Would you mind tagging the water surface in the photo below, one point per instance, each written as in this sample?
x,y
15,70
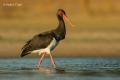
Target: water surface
x,y
83,68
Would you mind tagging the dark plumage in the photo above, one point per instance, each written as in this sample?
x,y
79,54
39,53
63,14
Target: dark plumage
x,y
42,40
37,42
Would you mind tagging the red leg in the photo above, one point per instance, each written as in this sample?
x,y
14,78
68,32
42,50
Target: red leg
x,y
52,61
40,60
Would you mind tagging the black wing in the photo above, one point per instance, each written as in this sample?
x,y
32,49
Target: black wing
x,y
39,41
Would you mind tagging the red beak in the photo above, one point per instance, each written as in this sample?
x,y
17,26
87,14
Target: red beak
x,y
67,19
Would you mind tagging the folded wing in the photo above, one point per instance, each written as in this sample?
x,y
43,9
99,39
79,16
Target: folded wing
x,y
39,41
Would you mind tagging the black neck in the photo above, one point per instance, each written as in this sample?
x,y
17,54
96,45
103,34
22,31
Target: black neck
x,y
61,30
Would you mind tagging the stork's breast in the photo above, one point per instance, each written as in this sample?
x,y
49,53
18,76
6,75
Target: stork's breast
x,y
52,44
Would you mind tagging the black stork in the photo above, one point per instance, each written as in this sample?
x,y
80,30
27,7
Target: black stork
x,y
46,42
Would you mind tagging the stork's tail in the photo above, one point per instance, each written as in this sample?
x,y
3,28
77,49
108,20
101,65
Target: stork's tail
x,y
24,53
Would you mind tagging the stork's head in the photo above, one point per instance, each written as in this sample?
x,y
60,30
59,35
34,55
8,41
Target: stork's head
x,y
61,14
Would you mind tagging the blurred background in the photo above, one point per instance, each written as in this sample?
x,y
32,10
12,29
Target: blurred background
x,y
97,30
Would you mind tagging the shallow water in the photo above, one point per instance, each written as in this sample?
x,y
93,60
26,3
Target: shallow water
x,y
83,68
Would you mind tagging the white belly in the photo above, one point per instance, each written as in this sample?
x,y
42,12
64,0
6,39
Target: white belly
x,y
48,49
